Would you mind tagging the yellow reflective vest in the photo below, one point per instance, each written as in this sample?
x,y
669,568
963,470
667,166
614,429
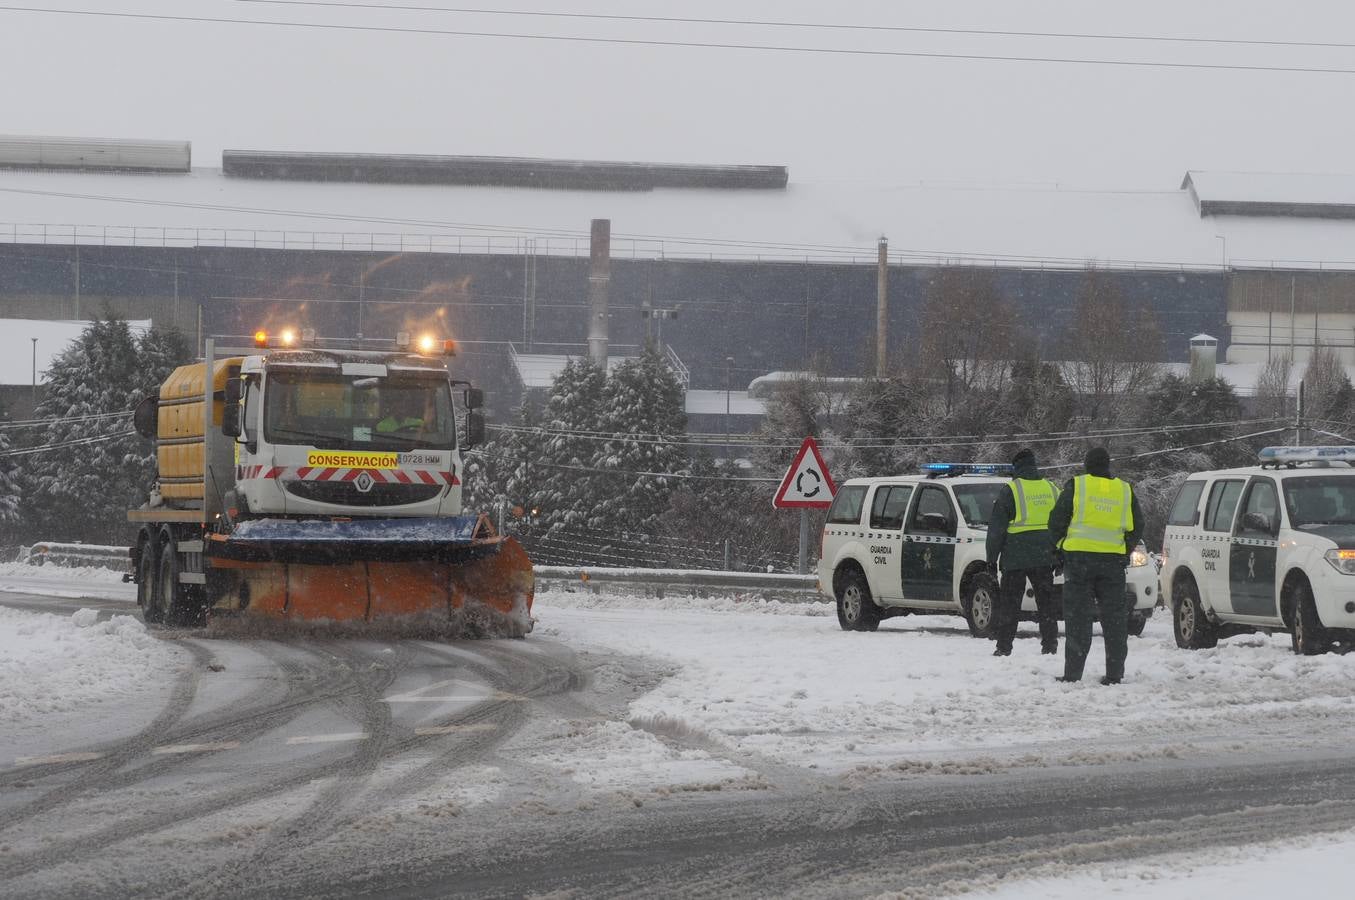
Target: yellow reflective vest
x,y
1102,513
1033,501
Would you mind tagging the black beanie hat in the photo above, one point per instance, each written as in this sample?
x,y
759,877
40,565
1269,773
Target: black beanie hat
x,y
1098,461
1024,456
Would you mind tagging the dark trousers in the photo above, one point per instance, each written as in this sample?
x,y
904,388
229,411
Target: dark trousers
x,y
1008,611
1094,578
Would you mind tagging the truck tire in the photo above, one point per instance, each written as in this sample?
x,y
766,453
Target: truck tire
x,y
179,603
1307,637
979,604
856,609
1192,629
148,582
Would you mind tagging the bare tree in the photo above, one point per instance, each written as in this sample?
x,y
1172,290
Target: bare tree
x,y
1272,387
1326,386
968,334
1112,348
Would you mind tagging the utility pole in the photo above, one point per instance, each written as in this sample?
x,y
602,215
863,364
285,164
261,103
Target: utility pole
x,y
729,364
882,308
35,372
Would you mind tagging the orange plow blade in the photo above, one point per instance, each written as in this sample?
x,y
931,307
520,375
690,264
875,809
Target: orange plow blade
x,y
489,591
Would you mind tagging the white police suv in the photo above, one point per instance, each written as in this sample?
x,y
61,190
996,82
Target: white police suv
x,y
1265,547
916,543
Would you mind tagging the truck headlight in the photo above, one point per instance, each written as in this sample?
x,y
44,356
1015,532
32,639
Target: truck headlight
x,y
1140,558
1342,561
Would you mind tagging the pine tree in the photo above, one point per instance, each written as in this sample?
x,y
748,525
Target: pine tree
x,y
9,480
567,500
644,412
92,467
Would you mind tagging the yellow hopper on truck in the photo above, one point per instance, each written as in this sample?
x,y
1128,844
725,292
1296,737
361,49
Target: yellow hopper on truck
x,y
296,482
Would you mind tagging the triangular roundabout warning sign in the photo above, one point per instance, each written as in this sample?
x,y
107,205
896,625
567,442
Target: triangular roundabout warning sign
x,y
807,484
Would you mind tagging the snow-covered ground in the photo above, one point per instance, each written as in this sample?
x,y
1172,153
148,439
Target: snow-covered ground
x,y
746,686
1315,867
52,666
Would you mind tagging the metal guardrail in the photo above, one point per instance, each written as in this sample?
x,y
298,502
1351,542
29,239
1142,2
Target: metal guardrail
x,y
60,554
680,582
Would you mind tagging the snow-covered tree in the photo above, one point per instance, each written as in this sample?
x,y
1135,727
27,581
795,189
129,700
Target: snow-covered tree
x,y
645,417
90,466
9,479
573,423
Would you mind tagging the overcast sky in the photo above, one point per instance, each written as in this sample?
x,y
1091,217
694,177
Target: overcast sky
x,y
883,119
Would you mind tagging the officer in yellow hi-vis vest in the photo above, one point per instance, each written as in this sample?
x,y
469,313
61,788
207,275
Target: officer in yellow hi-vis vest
x,y
1096,522
1018,533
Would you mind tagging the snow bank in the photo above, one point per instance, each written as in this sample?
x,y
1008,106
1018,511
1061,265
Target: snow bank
x,y
65,581
920,695
54,664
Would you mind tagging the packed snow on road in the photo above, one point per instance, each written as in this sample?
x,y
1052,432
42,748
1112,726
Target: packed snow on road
x,y
740,678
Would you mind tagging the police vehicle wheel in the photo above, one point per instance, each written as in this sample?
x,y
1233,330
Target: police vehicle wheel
x,y
1137,622
856,609
1193,629
980,605
147,578
1308,636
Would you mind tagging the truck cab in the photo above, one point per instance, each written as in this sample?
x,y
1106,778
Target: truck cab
x,y
331,432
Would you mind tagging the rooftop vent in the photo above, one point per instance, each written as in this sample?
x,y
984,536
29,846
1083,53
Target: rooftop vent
x,y
497,171
94,154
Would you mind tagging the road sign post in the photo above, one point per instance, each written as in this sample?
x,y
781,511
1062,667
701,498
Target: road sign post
x,y
807,485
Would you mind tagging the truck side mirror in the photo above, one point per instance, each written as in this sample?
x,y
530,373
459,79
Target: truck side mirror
x,y
146,417
475,398
475,429
230,413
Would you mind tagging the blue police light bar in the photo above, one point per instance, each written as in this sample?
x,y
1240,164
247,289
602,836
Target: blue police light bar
x,y
1288,456
940,469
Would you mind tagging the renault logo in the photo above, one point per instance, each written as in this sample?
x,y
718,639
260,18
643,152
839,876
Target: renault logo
x,y
364,482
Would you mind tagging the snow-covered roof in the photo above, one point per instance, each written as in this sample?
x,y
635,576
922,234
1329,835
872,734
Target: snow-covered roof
x,y
1271,194
1038,226
539,370
18,351
1242,376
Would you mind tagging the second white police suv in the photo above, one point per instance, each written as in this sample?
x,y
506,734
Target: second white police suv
x,y
1268,547
915,543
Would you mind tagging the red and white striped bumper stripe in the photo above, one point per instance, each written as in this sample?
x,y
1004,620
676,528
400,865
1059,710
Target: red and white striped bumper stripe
x,y
315,473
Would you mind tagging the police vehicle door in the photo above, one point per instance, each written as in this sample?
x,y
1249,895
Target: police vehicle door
x,y
929,547
1216,540
885,539
1251,564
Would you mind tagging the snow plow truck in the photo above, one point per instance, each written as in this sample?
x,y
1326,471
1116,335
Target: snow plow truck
x,y
300,483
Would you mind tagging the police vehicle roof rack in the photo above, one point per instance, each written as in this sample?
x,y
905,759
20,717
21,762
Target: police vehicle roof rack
x,y
1318,457
950,470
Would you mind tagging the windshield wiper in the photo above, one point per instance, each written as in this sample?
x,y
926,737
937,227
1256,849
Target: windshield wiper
x,y
315,437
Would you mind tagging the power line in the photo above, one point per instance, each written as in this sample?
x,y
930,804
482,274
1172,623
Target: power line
x,y
550,465
828,26
704,45
1148,453
64,444
40,423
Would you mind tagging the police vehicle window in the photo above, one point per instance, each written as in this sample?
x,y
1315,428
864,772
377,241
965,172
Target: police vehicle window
x,y
1261,499
1320,500
932,502
976,500
846,508
1218,515
1187,505
888,508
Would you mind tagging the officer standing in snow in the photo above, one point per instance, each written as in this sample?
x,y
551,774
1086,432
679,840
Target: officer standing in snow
x,y
1097,523
1018,533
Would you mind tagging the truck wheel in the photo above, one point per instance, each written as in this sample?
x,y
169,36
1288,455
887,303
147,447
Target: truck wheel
x,y
1308,637
148,584
179,604
1193,630
856,609
1137,621
979,604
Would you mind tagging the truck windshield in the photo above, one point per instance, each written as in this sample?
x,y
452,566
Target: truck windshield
x,y
328,410
976,501
1320,500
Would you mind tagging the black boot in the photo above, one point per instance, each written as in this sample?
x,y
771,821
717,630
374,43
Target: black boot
x,y
1106,679
1003,651
1049,648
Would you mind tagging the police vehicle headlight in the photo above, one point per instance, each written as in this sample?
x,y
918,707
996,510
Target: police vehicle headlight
x,y
1342,561
1141,558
